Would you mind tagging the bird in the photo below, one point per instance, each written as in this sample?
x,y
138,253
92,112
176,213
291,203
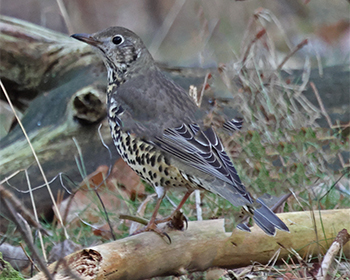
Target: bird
x,y
158,130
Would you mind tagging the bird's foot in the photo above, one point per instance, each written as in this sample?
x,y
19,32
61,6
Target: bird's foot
x,y
176,221
153,226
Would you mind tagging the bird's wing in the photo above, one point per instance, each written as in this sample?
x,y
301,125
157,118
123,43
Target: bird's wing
x,y
203,151
232,125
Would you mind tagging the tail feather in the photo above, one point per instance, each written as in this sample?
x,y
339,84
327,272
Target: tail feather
x,y
267,220
243,227
262,214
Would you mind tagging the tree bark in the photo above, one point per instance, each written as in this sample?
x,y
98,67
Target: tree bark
x,y
204,245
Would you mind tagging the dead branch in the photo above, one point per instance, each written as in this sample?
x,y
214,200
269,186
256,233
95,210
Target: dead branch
x,y
341,239
202,246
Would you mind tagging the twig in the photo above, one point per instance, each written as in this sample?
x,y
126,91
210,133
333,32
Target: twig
x,y
25,237
139,220
110,156
29,258
252,20
257,37
280,201
341,239
199,101
318,97
81,167
106,213
298,47
35,214
20,208
11,176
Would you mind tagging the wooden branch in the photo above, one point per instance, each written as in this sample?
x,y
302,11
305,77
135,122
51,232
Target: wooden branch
x,y
203,245
339,242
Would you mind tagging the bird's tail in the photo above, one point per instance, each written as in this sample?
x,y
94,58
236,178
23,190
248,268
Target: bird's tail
x,y
265,219
257,208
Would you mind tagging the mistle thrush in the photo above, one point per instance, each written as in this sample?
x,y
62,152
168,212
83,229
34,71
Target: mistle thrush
x,y
158,130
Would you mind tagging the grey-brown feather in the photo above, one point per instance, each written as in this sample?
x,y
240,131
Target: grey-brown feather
x,y
154,104
157,128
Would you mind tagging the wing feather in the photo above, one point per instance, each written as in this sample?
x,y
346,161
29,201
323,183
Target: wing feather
x,y
204,151
233,125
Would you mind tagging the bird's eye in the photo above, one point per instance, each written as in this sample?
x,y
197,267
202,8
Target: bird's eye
x,y
118,39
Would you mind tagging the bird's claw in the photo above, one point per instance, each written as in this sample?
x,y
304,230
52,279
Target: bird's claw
x,y
153,227
177,220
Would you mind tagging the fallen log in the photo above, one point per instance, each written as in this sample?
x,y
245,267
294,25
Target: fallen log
x,y
202,246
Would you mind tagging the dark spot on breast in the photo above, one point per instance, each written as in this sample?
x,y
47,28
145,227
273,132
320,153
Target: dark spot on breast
x,y
160,168
154,175
127,140
166,172
142,147
123,146
159,159
150,174
153,160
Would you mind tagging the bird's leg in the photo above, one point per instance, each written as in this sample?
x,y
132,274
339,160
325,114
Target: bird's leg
x,y
184,199
152,224
153,221
172,215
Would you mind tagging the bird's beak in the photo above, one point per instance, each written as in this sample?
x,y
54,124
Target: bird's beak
x,y
86,38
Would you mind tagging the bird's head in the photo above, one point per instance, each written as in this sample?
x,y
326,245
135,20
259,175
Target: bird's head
x,y
122,51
